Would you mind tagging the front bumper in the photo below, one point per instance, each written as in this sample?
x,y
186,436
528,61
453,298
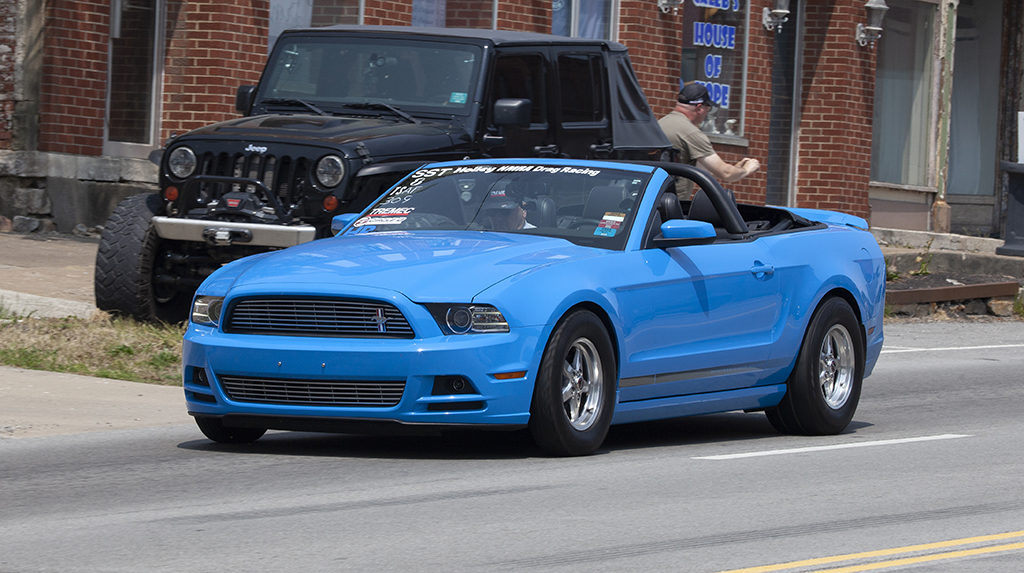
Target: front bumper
x,y
223,233
489,402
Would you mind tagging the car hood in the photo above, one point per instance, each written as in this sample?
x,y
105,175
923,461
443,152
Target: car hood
x,y
336,130
423,266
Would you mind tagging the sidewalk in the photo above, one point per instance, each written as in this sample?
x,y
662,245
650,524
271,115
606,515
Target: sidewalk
x,y
48,275
34,403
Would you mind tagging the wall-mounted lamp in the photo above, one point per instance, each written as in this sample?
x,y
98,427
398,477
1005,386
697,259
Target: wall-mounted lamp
x,y
873,30
773,19
669,6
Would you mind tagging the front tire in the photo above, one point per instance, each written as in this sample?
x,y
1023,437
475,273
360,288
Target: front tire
x,y
129,253
823,390
574,396
215,429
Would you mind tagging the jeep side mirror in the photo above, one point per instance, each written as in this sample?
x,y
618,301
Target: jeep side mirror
x,y
243,99
508,112
512,112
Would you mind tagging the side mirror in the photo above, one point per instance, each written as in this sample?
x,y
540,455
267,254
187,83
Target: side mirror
x,y
339,222
682,232
243,99
512,112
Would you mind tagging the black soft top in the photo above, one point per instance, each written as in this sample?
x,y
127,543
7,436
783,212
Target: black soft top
x,y
633,121
496,37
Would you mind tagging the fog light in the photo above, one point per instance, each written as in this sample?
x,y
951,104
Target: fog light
x,y
199,377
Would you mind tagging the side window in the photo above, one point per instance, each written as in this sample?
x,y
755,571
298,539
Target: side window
x,y
522,77
581,84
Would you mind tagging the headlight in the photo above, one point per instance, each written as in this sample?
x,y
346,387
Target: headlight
x,y
182,162
330,170
468,318
206,310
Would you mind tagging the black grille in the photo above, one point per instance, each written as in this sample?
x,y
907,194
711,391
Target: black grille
x,y
318,317
285,176
362,393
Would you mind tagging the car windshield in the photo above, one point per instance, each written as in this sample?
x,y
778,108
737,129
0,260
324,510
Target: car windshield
x,y
589,205
332,73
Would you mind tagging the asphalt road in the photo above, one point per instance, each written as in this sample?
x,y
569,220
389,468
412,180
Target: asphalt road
x,y
934,455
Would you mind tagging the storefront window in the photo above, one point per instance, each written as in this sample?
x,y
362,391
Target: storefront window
x,y
583,18
904,85
132,44
714,42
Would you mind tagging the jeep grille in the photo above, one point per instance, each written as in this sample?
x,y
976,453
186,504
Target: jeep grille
x,y
285,176
317,317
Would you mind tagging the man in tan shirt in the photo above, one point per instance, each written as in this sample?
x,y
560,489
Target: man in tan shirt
x,y
682,126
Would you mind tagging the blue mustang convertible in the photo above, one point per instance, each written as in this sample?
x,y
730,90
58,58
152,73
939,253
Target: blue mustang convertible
x,y
558,295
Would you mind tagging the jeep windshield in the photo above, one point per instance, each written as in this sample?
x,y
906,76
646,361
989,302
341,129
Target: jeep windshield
x,y
369,76
587,204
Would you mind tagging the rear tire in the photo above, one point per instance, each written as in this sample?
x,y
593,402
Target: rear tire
x,y
128,256
214,429
823,390
574,396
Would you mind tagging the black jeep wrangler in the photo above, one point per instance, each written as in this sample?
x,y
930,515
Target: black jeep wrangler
x,y
341,114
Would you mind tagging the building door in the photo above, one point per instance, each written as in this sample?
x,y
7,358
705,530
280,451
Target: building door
x,y
785,110
134,78
974,118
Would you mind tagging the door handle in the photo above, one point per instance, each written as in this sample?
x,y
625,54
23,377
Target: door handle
x,y
760,269
546,150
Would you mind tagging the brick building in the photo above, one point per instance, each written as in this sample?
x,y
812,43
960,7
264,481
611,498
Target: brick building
x,y
892,132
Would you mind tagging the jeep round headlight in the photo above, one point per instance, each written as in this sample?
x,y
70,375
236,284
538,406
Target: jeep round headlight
x,y
182,162
330,170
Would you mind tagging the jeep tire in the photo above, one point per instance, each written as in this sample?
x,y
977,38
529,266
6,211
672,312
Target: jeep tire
x,y
129,254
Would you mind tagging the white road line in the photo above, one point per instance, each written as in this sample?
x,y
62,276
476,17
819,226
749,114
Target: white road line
x,y
901,349
833,447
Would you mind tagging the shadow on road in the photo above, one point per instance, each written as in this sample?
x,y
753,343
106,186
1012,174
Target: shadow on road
x,y
482,445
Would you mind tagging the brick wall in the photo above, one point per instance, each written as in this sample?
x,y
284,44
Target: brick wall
x,y
331,12
8,14
525,15
74,82
468,14
388,13
654,43
838,99
212,48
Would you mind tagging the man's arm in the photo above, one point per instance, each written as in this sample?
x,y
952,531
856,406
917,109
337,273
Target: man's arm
x,y
723,171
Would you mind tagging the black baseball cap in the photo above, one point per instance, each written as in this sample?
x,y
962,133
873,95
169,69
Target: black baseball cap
x,y
694,94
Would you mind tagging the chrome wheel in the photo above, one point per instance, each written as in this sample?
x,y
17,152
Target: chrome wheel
x,y
582,384
836,366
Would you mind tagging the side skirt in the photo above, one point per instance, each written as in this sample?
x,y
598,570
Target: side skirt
x,y
755,398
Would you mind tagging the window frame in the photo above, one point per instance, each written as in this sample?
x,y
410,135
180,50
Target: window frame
x,y
123,148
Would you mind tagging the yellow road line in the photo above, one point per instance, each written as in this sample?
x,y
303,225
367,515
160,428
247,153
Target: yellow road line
x,y
886,552
925,558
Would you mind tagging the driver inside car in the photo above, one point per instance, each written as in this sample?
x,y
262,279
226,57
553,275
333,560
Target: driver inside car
x,y
505,210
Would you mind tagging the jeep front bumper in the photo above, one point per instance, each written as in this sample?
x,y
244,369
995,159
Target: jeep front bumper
x,y
223,233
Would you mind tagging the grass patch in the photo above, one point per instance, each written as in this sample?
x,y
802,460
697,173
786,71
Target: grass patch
x,y
104,346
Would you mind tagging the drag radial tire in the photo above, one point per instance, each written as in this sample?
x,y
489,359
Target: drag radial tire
x,y
128,254
824,388
214,429
574,396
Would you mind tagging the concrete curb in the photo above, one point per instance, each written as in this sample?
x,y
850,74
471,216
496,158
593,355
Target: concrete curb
x,y
23,304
